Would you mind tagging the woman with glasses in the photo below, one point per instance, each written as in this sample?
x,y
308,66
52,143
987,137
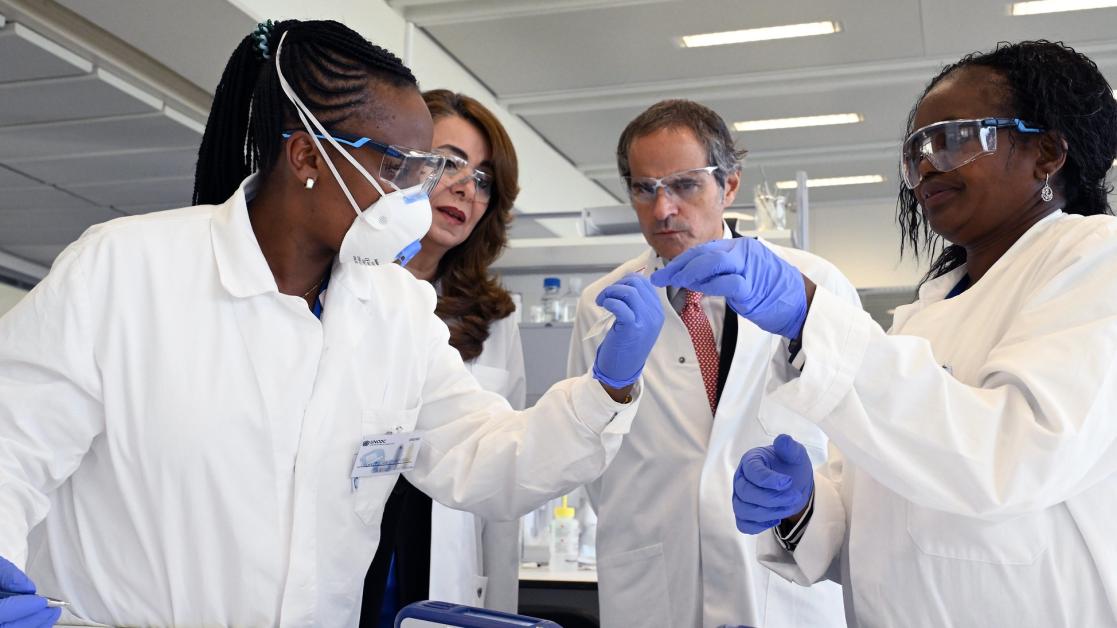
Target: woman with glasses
x,y
438,553
977,479
203,410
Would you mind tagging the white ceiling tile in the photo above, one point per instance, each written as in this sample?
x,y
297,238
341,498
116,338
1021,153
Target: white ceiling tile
x,y
170,32
128,166
74,98
43,254
175,191
636,44
40,196
12,179
38,57
94,136
48,226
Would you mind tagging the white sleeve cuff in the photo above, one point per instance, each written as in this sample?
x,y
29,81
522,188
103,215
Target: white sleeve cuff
x,y
597,410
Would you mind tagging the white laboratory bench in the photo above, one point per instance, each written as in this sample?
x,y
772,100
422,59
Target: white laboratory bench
x,y
544,574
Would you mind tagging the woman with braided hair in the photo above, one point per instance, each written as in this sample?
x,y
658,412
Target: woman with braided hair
x,y
430,551
203,410
976,483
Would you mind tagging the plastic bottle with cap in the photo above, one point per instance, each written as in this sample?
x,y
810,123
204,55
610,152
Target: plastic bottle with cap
x,y
570,299
564,539
552,300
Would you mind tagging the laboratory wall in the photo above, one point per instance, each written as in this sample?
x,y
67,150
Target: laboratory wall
x,y
9,296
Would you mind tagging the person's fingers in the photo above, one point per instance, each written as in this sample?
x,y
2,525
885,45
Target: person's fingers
x,y
789,450
732,285
702,268
750,493
663,277
13,580
20,607
753,527
42,619
753,512
623,297
756,470
646,290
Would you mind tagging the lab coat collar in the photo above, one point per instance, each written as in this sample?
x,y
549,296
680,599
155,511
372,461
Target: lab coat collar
x,y
240,263
937,289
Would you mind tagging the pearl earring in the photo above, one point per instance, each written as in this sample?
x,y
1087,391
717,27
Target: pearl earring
x,y
1046,193
310,183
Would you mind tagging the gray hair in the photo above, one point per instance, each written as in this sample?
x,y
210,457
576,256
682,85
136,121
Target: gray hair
x,y
706,125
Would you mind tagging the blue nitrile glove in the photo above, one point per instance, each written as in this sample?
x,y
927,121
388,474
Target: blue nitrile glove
x,y
772,483
639,317
755,282
22,611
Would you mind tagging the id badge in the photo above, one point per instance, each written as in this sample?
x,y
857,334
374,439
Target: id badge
x,y
387,454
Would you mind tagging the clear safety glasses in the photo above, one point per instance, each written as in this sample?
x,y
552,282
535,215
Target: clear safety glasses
x,y
952,144
459,172
400,167
684,186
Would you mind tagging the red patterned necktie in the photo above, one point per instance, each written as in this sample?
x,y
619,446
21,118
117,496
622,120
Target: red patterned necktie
x,y
704,346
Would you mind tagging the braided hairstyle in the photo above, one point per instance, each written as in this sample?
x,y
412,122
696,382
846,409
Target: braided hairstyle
x,y
328,65
1057,88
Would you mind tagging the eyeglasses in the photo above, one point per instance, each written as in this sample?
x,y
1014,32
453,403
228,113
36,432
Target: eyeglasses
x,y
686,185
458,172
952,144
401,167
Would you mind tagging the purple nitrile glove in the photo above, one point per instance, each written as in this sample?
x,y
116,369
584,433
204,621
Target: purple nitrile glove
x,y
772,483
756,283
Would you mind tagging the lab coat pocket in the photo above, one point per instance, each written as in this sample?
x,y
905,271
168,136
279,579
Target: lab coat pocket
x,y
370,493
1016,541
633,587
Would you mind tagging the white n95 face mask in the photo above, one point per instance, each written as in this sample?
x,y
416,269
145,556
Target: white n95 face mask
x,y
390,229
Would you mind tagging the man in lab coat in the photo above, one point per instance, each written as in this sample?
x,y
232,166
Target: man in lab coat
x,y
668,551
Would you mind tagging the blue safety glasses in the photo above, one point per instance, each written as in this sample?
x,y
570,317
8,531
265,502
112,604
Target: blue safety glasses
x,y
401,167
952,144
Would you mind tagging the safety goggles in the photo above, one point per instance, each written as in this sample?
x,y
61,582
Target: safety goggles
x,y
400,167
686,185
952,144
459,172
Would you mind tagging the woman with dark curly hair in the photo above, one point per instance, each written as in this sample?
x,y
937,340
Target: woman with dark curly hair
x,y
440,553
977,483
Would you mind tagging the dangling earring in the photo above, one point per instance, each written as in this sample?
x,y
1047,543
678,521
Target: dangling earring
x,y
1046,193
310,183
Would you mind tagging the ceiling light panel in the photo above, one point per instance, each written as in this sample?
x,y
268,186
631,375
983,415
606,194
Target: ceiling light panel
x,y
760,34
832,182
1038,7
796,123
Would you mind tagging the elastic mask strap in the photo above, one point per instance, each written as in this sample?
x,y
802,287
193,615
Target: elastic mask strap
x,y
304,113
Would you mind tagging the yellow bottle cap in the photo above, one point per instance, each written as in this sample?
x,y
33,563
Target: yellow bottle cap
x,y
564,511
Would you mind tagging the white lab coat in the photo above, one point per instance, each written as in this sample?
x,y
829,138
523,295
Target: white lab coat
x,y
177,436
475,561
668,550
979,480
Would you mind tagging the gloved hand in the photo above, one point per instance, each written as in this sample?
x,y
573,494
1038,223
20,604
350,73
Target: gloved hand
x,y
755,282
639,317
22,611
772,483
